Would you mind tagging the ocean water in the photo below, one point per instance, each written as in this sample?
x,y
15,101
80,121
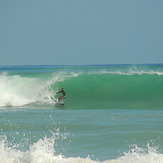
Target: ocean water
x,y
112,114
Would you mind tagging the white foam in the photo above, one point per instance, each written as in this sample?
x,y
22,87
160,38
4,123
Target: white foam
x,y
18,91
140,155
129,72
40,152
43,151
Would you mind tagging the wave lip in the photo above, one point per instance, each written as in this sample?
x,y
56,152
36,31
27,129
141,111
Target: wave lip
x,y
19,91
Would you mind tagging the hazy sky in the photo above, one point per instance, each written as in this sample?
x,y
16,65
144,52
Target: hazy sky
x,y
71,32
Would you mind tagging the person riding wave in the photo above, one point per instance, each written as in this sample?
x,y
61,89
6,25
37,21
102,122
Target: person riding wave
x,y
63,95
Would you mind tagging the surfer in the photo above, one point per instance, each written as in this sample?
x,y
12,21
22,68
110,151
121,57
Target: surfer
x,y
63,95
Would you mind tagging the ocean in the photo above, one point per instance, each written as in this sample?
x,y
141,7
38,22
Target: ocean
x,y
111,114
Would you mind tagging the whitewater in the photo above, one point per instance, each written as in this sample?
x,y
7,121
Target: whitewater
x,y
112,114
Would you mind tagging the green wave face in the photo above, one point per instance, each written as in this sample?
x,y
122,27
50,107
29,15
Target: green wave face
x,y
110,91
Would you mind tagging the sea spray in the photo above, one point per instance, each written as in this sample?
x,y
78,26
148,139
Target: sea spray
x,y
43,151
19,91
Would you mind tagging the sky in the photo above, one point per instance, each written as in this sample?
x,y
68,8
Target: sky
x,y
78,32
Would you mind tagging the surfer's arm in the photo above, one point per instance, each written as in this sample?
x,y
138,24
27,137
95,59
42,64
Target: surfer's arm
x,y
58,92
54,93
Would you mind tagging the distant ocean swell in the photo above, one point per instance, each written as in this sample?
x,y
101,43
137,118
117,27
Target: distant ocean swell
x,y
86,89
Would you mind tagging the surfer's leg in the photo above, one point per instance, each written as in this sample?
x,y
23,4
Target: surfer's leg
x,y
61,98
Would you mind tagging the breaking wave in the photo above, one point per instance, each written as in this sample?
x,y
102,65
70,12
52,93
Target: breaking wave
x,y
92,87
43,151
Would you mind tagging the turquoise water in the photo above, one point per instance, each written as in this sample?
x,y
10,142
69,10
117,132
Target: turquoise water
x,y
112,113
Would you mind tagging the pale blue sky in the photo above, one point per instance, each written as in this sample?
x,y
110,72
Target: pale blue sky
x,y
72,32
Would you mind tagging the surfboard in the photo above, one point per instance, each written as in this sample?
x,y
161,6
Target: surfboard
x,y
60,103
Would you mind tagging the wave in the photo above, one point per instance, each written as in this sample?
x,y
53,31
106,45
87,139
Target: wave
x,y
19,91
43,151
30,90
116,90
86,88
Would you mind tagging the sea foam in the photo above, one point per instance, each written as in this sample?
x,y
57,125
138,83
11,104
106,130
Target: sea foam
x,y
43,151
18,91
